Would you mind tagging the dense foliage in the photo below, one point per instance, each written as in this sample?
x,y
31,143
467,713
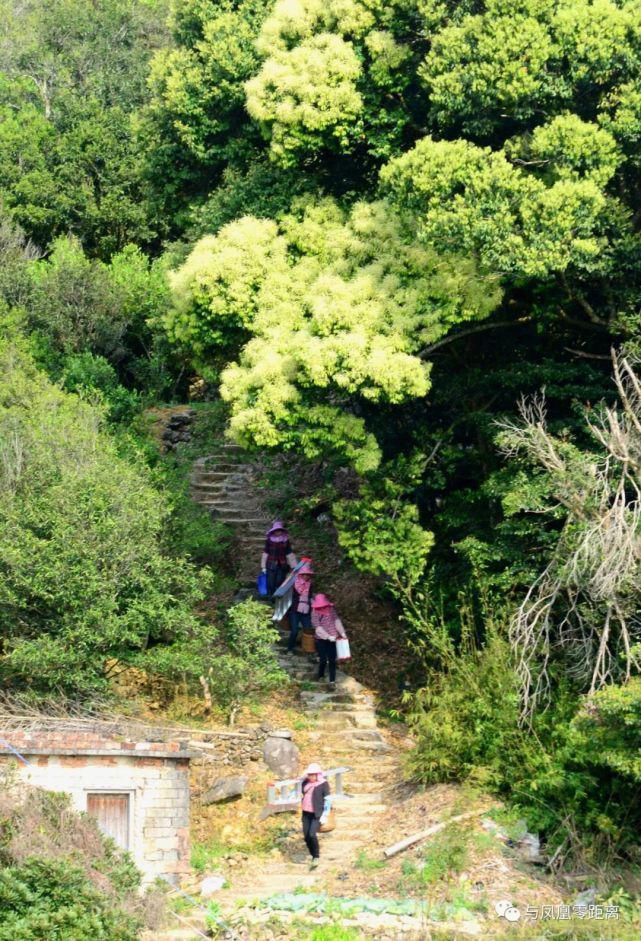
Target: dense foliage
x,y
71,156
85,573
391,221
60,878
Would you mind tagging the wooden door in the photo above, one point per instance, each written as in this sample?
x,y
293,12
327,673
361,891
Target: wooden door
x,y
112,814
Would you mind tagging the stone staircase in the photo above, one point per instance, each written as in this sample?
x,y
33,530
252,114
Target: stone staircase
x,y
226,486
344,732
343,727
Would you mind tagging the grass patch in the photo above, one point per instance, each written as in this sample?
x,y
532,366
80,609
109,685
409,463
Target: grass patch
x,y
205,855
181,904
211,853
335,933
302,724
446,855
366,863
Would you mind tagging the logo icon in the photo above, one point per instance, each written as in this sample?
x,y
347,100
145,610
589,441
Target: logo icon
x,y
505,909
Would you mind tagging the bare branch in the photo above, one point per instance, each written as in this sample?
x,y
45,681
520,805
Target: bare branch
x,y
582,606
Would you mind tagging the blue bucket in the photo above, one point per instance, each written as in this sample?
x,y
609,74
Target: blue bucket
x,y
261,585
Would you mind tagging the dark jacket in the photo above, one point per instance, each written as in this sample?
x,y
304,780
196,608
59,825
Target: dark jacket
x,y
318,797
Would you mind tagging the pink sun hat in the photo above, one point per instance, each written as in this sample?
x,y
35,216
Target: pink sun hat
x,y
314,768
321,601
276,525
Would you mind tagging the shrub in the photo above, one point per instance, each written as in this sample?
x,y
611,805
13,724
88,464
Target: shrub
x,y
42,899
246,666
85,576
61,878
466,718
94,375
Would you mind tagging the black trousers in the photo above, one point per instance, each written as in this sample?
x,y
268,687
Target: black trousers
x,y
276,575
327,653
296,621
310,833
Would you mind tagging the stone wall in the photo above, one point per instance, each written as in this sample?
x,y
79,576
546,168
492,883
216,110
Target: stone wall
x,y
155,775
233,749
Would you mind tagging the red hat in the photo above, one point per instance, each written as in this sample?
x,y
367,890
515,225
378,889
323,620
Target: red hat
x,y
306,569
321,601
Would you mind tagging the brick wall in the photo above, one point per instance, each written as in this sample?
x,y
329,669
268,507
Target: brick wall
x,y
155,775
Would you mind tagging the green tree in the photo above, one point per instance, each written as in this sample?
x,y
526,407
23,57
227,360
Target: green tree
x,y
81,308
196,121
70,156
245,665
85,576
336,306
336,78
60,876
41,899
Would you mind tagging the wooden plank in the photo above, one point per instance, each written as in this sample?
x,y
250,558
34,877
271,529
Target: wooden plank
x,y
423,834
112,815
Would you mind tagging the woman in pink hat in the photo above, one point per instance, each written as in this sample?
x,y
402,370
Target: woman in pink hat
x,y
277,557
300,613
327,629
316,802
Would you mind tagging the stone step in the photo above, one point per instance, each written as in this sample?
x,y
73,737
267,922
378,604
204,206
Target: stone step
x,y
212,474
356,809
358,829
362,744
361,777
350,719
339,850
363,786
335,723
362,799
239,510
357,709
221,487
312,699
226,518
363,735
224,493
225,467
354,710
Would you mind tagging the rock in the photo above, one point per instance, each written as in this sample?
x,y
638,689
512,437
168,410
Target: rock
x,y
587,897
529,847
210,885
180,419
281,756
265,727
225,789
280,733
